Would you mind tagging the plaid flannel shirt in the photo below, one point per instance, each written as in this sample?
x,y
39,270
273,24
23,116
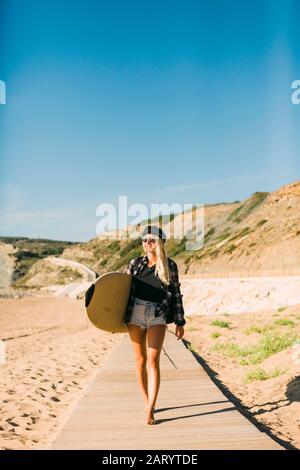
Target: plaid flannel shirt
x,y
171,305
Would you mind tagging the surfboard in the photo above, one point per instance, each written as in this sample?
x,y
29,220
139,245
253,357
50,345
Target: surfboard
x,y
106,301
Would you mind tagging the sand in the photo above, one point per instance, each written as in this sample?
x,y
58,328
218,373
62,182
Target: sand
x,y
239,294
274,402
52,353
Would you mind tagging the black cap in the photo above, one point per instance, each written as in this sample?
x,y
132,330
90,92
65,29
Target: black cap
x,y
154,231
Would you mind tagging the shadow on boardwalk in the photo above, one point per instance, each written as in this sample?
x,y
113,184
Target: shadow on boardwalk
x,y
191,411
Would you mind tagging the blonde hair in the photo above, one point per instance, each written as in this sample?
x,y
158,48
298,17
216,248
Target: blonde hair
x,y
162,266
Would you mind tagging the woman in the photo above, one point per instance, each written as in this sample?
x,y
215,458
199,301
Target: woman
x,y
154,302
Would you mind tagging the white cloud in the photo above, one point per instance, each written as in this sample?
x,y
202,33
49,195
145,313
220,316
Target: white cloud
x,y
200,185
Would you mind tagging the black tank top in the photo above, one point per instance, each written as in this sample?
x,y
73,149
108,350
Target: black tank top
x,y
148,286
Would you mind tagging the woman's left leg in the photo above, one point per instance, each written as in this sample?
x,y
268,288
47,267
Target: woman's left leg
x,y
155,338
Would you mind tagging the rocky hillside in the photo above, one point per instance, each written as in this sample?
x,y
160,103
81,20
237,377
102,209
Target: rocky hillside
x,y
45,273
262,234
7,262
22,258
258,235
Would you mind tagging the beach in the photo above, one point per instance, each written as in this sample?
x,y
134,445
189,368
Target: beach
x,y
52,353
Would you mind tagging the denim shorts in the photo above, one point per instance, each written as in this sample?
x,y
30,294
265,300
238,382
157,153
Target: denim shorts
x,y
143,314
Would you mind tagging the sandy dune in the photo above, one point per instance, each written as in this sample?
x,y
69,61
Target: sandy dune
x,y
274,400
52,352
239,295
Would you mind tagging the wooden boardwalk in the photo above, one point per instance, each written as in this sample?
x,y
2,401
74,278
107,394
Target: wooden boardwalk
x,y
192,412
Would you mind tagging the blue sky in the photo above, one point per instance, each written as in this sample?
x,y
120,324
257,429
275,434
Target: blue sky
x,y
183,102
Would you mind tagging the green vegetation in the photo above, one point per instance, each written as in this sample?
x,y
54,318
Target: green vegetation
x,y
271,343
220,323
209,234
257,198
230,248
260,374
68,274
201,254
113,247
280,309
232,349
284,322
261,222
188,259
176,248
215,334
119,263
235,212
224,235
130,246
103,262
258,329
131,249
241,233
214,253
245,231
244,209
40,246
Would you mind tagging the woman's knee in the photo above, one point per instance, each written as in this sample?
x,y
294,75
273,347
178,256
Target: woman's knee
x,y
141,360
153,360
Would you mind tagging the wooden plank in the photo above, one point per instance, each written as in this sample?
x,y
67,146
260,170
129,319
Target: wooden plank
x,y
192,413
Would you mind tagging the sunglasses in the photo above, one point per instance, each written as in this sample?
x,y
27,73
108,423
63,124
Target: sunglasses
x,y
149,240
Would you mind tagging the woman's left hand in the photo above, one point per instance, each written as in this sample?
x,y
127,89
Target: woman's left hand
x,y
179,332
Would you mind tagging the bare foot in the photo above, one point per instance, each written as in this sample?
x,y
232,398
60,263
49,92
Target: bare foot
x,y
150,414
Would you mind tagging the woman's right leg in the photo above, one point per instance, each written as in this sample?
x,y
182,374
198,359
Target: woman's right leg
x,y
138,339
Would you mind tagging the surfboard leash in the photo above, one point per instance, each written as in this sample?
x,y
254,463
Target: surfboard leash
x,y
169,358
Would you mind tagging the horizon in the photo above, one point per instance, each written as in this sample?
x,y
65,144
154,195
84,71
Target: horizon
x,y
85,241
